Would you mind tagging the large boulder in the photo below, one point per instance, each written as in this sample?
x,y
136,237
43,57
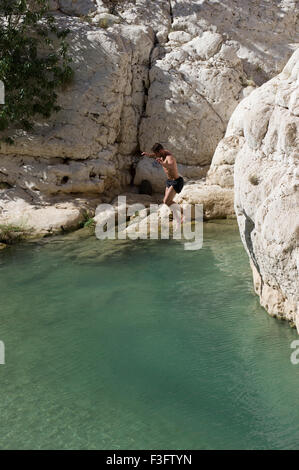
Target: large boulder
x,y
216,54
266,188
77,7
44,216
191,98
149,169
221,171
218,203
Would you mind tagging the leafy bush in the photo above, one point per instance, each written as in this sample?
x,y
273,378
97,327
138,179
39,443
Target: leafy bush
x,y
89,223
10,233
34,62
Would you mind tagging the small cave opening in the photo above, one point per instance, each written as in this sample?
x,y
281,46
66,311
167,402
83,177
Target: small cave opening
x,y
64,180
5,185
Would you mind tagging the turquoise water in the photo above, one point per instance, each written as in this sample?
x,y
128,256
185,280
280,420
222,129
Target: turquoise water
x,y
141,345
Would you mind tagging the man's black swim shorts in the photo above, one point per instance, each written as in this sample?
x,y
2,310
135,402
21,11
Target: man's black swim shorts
x,y
176,184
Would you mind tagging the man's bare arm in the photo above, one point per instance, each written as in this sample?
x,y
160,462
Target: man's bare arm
x,y
146,154
167,163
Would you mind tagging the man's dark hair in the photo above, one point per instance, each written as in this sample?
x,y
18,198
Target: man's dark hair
x,y
157,147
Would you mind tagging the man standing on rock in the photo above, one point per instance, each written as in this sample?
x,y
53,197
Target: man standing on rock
x,y
174,183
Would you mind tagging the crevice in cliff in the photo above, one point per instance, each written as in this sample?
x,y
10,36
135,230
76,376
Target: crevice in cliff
x,y
171,18
146,86
249,227
134,158
170,11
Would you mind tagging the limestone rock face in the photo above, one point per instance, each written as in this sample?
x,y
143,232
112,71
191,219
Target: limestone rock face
x,y
221,171
266,188
190,99
156,14
217,202
169,70
104,94
216,54
77,7
86,147
253,27
58,176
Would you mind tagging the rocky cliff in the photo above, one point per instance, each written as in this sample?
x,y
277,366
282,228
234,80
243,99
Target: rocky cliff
x,y
265,132
171,71
206,78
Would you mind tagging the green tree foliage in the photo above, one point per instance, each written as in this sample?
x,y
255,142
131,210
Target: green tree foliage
x,y
34,62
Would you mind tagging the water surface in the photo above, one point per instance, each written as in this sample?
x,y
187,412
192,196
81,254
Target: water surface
x,y
142,345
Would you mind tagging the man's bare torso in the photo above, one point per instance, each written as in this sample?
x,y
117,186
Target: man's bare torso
x,y
170,165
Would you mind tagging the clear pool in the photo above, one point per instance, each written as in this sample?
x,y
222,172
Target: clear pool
x,y
141,345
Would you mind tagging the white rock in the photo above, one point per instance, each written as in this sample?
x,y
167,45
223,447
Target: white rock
x,y
41,217
105,20
179,37
221,171
102,6
265,33
193,95
98,124
266,190
77,7
136,84
217,202
228,52
124,207
149,169
155,14
204,46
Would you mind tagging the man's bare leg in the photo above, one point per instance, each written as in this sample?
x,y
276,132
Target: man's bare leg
x,y
169,195
168,200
